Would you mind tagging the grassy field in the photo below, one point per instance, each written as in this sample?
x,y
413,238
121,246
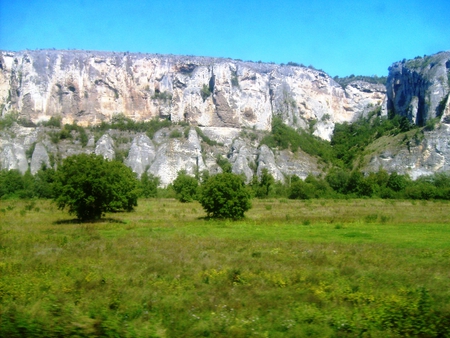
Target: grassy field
x,y
319,268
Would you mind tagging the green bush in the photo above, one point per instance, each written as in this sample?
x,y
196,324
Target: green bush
x,y
205,138
162,96
263,186
175,134
301,190
205,92
225,196
8,120
148,185
284,137
89,185
54,121
223,163
185,187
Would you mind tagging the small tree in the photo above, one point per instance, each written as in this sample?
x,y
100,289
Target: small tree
x,y
262,187
149,185
89,185
185,187
225,196
301,190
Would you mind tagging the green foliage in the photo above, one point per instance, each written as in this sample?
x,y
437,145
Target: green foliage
x,y
205,138
11,183
186,187
262,187
441,106
162,96
79,130
205,92
284,137
43,183
344,81
89,185
223,163
148,185
333,268
124,123
54,121
350,140
8,120
175,134
430,125
225,196
338,178
234,80
419,62
301,190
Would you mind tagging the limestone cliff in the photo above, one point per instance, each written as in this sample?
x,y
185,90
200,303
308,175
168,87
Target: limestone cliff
x,y
90,87
419,88
230,102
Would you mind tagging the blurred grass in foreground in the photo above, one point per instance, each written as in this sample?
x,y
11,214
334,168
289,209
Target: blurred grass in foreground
x,y
320,268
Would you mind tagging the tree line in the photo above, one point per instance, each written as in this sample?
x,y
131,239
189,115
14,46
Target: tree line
x,y
337,183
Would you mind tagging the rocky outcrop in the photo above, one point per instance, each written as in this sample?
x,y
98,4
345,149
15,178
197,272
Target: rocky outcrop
x,y
176,154
90,87
39,158
225,105
105,147
418,89
418,153
141,154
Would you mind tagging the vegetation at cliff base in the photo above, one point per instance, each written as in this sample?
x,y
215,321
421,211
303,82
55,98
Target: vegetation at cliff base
x,y
89,186
185,187
225,196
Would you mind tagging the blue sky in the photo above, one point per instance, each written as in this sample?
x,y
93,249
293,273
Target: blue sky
x,y
341,37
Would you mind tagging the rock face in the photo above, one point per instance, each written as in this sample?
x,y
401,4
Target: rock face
x,y
90,87
419,88
228,101
423,153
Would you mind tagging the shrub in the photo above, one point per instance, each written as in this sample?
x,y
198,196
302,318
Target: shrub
x,y
262,187
185,187
8,120
149,185
175,134
205,92
301,190
54,121
225,196
89,185
223,163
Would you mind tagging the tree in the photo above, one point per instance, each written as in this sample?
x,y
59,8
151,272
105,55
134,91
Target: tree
x,y
301,190
185,187
43,182
89,185
149,185
225,196
263,186
11,182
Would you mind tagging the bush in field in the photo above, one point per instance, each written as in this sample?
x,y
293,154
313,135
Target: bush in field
x,y
300,189
149,185
89,185
225,196
185,187
262,187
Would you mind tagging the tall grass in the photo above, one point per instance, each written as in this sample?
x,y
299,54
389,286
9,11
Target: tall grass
x,y
319,268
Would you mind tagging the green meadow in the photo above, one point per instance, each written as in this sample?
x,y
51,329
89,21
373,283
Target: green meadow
x,y
290,268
